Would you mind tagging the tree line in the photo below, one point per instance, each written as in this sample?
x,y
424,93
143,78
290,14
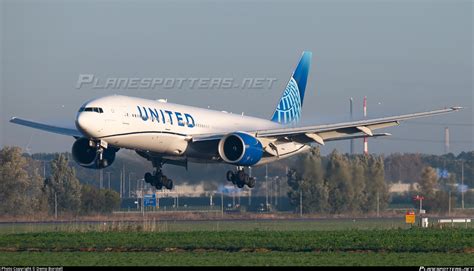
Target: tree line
x,y
343,183
25,192
406,167
338,183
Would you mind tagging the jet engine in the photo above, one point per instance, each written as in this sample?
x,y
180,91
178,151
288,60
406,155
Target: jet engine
x,y
88,156
240,149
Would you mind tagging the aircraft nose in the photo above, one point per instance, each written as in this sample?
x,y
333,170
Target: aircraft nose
x,y
89,124
82,123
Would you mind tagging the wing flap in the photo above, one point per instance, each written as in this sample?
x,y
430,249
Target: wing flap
x,y
358,136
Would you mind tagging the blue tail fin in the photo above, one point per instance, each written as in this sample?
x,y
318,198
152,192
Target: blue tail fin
x,y
291,102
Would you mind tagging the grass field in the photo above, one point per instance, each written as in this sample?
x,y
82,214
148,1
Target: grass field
x,y
219,225
233,259
246,247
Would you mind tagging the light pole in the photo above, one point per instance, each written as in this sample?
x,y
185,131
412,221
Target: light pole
x,y
129,187
222,203
143,199
378,204
137,190
301,202
421,204
108,175
420,198
101,179
44,169
177,199
351,101
462,184
136,187
266,186
233,198
449,204
55,205
249,189
121,181
271,191
277,190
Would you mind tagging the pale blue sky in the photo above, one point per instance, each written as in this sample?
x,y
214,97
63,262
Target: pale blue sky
x,y
406,56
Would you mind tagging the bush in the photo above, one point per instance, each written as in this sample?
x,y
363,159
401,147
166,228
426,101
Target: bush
x,y
95,200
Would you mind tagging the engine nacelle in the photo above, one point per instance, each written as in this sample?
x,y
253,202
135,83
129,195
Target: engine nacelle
x,y
240,149
87,156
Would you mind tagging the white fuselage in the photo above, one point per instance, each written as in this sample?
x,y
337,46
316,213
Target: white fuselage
x,y
158,126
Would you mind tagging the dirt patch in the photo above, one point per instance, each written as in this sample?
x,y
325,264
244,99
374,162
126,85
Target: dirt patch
x,y
87,249
174,249
469,250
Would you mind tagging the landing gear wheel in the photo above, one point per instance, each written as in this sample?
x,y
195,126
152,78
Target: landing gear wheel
x,y
241,176
158,180
169,184
148,177
251,182
230,176
164,180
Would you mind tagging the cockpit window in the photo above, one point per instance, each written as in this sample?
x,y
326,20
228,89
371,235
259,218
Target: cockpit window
x,y
91,109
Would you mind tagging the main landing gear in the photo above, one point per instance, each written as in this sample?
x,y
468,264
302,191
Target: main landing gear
x,y
157,179
240,178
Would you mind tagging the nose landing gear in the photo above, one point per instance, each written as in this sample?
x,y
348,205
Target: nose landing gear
x,y
100,147
240,178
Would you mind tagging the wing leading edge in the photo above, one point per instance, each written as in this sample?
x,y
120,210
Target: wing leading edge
x,y
47,127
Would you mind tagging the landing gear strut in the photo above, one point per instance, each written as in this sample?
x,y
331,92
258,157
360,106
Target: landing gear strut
x,y
100,148
157,179
240,178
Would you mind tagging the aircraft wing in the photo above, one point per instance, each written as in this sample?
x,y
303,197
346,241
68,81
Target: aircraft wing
x,y
331,132
47,127
320,133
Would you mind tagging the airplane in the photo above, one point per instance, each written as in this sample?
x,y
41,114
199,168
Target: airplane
x,y
167,133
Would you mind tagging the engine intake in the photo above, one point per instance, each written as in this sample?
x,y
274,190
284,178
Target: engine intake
x,y
240,149
87,156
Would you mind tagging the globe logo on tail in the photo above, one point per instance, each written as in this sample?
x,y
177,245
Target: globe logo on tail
x,y
289,108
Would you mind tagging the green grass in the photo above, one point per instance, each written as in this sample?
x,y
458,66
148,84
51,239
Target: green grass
x,y
232,259
174,226
325,242
219,225
414,240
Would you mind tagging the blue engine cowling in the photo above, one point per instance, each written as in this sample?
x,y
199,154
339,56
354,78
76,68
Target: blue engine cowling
x,y
240,149
86,156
